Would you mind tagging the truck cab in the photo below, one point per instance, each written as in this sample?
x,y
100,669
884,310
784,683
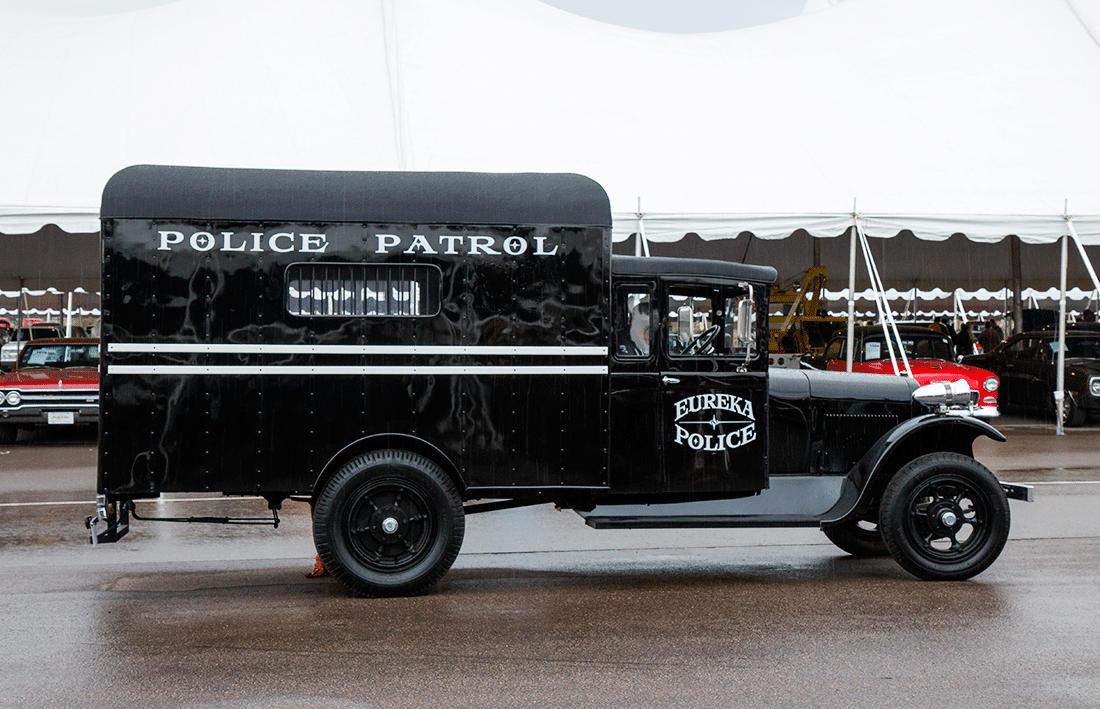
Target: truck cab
x,y
688,378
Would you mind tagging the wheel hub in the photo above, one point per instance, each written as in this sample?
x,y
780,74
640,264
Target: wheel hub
x,y
388,523
945,518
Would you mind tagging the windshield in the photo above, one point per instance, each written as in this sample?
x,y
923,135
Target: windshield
x,y
60,356
1088,347
931,346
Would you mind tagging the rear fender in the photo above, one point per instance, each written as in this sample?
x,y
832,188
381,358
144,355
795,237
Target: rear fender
x,y
910,439
398,441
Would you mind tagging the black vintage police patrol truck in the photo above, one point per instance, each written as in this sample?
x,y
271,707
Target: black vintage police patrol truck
x,y
402,349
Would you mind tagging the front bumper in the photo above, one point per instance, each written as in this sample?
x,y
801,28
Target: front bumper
x,y
53,408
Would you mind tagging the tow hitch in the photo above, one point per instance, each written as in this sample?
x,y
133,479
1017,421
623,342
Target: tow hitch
x,y
115,517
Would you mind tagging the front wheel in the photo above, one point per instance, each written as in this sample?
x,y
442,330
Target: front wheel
x,y
944,517
388,523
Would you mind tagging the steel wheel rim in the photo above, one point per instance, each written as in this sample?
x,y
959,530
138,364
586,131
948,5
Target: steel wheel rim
x,y
948,519
389,526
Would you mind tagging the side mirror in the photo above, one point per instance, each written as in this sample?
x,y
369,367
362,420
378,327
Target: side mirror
x,y
746,323
683,324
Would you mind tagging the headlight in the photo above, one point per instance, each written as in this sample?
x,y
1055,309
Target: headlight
x,y
1094,386
944,394
13,398
991,384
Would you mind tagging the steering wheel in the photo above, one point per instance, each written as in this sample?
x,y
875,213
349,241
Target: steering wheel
x,y
703,342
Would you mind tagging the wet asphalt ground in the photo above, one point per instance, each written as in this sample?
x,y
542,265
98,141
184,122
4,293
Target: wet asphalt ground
x,y
540,610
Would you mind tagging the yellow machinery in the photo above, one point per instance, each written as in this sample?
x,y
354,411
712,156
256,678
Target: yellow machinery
x,y
802,328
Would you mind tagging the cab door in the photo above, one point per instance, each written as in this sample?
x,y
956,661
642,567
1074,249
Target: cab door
x,y
713,390
635,390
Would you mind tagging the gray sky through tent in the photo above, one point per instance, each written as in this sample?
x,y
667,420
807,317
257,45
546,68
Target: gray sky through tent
x,y
685,16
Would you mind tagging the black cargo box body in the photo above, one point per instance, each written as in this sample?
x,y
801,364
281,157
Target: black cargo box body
x,y
217,373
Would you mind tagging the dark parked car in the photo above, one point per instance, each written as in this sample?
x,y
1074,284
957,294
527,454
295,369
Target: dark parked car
x,y
1027,366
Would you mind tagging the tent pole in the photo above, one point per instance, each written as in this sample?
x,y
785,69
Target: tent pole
x,y
1060,386
641,244
1017,285
19,310
960,314
402,145
851,294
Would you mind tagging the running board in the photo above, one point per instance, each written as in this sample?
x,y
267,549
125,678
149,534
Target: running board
x,y
700,522
789,501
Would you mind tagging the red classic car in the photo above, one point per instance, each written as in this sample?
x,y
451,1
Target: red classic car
x,y
54,382
931,356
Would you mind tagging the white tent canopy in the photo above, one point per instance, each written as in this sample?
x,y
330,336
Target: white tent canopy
x,y
935,116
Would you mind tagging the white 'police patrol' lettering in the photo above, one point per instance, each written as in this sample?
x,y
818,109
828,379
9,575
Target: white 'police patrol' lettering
x,y
463,244
283,242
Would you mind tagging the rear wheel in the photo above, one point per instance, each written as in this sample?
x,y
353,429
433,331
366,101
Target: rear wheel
x,y
858,537
388,523
944,517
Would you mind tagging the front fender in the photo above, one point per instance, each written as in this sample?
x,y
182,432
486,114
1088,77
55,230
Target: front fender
x,y
931,433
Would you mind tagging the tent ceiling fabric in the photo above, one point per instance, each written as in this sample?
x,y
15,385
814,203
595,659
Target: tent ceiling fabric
x,y
49,258
935,116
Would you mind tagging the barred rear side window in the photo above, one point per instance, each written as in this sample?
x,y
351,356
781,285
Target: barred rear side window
x,y
363,290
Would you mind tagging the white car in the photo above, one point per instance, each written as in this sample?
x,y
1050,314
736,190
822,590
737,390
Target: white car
x,y
10,351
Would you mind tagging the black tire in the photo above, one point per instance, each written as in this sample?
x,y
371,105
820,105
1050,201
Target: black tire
x,y
388,523
858,537
1072,414
8,433
944,517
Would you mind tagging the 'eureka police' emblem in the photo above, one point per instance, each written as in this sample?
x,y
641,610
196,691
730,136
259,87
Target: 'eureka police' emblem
x,y
714,422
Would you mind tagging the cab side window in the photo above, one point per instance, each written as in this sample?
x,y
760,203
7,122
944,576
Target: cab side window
x,y
692,323
634,306
704,322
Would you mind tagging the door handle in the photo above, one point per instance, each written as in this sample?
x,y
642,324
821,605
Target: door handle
x,y
669,380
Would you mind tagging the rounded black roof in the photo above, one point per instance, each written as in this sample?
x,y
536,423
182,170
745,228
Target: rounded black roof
x,y
234,194
690,267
